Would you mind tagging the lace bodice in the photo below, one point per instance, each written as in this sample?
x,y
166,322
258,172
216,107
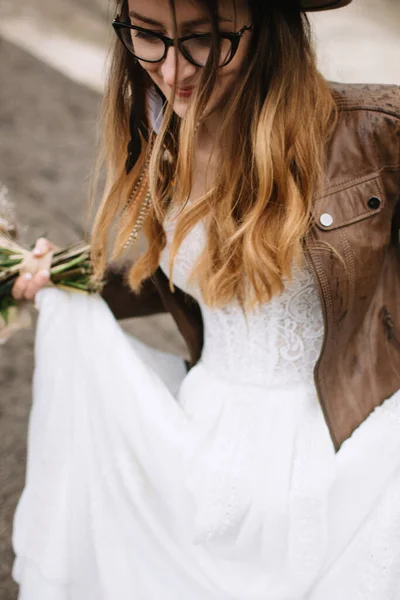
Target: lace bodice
x,y
277,343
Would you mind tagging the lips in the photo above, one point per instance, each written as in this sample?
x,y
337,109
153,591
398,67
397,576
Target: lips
x,y
184,92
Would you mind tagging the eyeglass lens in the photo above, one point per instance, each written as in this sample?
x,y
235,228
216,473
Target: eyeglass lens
x,y
150,48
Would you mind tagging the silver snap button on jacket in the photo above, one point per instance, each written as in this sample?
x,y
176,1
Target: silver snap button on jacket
x,y
326,220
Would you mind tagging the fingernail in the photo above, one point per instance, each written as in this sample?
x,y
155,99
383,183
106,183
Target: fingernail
x,y
38,251
44,273
28,276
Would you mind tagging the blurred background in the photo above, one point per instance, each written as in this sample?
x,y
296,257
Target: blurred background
x,y
52,66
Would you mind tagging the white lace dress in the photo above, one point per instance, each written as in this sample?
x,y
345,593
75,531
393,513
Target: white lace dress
x,y
147,483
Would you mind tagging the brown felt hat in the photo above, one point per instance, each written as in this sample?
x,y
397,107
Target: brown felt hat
x,y
311,5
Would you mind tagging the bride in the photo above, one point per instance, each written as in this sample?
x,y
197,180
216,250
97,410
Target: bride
x,y
268,466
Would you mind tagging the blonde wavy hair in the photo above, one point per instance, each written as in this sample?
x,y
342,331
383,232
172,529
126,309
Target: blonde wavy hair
x,y
272,136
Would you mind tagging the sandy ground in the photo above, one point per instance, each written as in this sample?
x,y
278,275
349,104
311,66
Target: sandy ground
x,y
51,70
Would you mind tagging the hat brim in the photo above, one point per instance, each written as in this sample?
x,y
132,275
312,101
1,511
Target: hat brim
x,y
314,5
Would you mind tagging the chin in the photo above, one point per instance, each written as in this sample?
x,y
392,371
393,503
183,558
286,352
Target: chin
x,y
180,108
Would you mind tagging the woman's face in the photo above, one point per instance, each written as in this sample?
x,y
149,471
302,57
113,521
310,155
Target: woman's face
x,y
156,16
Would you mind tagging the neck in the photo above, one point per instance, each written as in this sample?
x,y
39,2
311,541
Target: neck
x,y
207,132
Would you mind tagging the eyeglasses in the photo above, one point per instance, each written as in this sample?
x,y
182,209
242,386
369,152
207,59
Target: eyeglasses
x,y
149,46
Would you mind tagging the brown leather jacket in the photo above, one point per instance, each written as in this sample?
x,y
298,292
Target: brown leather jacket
x,y
358,278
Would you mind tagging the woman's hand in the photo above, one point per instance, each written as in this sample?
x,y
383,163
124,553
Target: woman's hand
x,y
26,286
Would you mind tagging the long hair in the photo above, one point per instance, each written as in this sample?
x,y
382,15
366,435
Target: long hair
x,y
272,134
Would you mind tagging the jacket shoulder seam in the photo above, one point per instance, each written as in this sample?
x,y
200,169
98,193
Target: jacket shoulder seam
x,y
378,98
383,111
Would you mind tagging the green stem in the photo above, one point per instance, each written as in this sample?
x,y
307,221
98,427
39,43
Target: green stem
x,y
9,263
66,266
74,285
71,274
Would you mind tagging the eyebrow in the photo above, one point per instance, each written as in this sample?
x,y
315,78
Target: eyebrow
x,y
185,25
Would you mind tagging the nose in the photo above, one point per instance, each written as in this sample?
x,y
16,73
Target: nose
x,y
169,71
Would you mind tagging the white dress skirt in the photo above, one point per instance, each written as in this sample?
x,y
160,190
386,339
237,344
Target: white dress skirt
x,y
145,482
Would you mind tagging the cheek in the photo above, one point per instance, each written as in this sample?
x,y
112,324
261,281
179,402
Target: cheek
x,y
230,75
151,70
224,84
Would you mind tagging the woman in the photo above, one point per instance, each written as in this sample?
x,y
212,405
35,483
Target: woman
x,y
270,204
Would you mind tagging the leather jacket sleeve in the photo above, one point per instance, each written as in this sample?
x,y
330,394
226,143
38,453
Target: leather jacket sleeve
x,y
124,303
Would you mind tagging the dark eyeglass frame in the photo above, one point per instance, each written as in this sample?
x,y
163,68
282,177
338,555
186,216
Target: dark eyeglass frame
x,y
233,37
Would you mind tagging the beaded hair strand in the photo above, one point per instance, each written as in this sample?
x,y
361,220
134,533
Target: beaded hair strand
x,y
137,192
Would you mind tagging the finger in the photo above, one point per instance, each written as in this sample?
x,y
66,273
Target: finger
x,y
36,283
20,286
42,246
